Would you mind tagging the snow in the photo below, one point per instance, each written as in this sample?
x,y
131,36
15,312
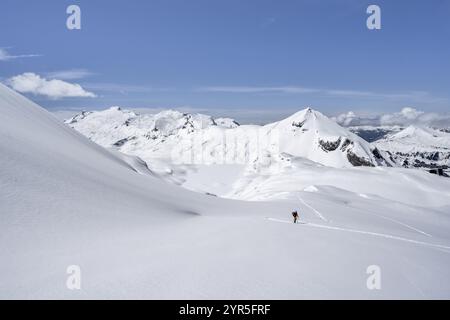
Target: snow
x,y
199,139
212,179
301,135
226,123
65,200
418,146
414,138
278,179
311,189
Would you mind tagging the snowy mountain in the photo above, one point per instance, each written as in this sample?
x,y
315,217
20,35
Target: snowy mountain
x,y
186,138
67,201
145,135
418,147
312,135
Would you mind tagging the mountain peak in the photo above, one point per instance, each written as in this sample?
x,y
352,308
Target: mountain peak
x,y
301,117
307,133
310,134
416,131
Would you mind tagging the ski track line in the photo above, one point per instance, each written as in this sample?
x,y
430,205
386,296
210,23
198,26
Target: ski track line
x,y
314,210
400,223
377,215
376,234
406,225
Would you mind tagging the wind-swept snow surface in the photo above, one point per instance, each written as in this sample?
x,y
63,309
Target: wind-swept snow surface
x,y
67,201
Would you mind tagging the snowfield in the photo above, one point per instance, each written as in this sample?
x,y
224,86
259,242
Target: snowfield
x,y
65,200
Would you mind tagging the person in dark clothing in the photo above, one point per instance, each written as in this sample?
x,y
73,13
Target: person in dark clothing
x,y
295,215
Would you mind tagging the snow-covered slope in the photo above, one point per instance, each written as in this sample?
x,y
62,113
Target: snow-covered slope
x,y
199,139
44,163
283,176
418,147
311,135
67,201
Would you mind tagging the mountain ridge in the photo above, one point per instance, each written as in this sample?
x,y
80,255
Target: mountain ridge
x,y
418,146
307,133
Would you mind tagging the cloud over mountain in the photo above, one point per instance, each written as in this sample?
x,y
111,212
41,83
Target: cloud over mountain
x,y
407,116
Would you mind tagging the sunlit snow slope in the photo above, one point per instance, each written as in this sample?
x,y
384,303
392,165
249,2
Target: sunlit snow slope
x,y
67,201
417,146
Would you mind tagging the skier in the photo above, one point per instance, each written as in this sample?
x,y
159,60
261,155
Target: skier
x,y
295,215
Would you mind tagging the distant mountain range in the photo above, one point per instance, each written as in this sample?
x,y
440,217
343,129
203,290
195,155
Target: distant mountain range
x,y
198,138
418,147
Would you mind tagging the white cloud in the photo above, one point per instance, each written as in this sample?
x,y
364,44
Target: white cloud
x,y
69,74
53,89
6,56
407,116
347,119
411,96
124,88
243,89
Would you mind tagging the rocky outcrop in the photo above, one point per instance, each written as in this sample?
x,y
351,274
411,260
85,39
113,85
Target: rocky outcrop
x,y
328,146
358,161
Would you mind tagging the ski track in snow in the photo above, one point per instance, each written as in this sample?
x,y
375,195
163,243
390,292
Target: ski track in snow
x,y
404,224
317,213
376,234
378,215
370,212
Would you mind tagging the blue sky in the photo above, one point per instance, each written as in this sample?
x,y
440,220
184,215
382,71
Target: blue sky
x,y
252,55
